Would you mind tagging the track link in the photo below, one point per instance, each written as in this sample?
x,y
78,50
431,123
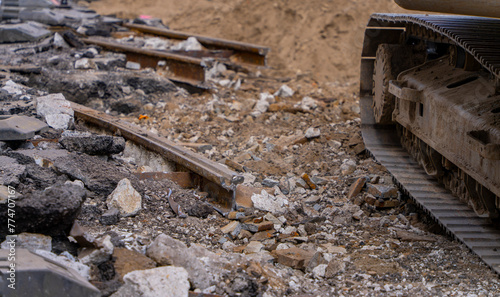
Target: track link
x,y
476,36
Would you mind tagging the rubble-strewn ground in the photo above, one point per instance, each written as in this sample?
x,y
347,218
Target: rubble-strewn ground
x,y
373,242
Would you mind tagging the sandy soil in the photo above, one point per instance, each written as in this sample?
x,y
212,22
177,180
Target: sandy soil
x,y
318,37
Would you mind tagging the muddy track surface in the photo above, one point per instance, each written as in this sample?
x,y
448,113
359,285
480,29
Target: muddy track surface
x,y
326,218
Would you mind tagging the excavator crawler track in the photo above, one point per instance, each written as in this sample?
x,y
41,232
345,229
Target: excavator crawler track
x,y
480,37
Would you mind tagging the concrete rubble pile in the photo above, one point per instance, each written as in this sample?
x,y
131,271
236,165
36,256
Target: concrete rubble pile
x,y
315,215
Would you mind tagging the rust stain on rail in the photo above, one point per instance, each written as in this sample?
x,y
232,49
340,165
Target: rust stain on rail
x,y
211,177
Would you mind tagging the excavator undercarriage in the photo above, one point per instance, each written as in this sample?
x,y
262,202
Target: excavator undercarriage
x,y
430,98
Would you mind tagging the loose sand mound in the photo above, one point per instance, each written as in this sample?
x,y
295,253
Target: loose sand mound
x,y
320,37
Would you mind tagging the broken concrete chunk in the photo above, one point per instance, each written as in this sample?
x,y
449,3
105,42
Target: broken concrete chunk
x,y
84,63
44,158
258,227
110,63
253,247
157,282
319,271
94,144
284,92
313,133
334,267
22,32
164,249
59,41
191,44
10,171
110,217
204,267
56,110
50,212
307,104
270,183
270,203
29,241
233,229
348,167
356,187
244,195
382,191
20,127
294,257
125,198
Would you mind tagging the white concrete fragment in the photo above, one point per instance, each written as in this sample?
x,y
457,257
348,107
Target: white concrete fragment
x,y
266,202
125,198
59,41
56,110
157,282
59,121
13,88
307,104
319,271
265,99
284,92
312,133
191,44
84,63
133,65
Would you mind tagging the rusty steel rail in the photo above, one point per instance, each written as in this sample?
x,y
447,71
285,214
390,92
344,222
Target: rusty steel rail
x,y
213,178
242,52
179,68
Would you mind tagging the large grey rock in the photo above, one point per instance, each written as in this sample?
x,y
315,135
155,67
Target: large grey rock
x,y
94,144
51,211
125,198
56,110
10,171
204,267
98,176
157,282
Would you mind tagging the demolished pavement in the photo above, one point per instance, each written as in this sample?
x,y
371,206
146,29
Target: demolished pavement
x,y
315,215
